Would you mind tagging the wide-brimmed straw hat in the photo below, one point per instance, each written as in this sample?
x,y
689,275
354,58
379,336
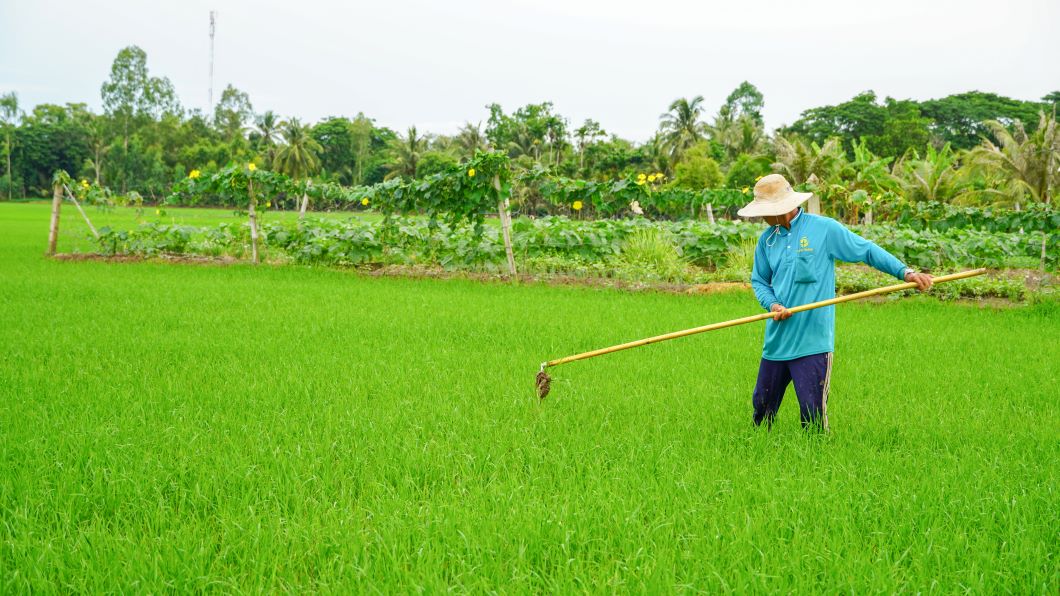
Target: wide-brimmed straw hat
x,y
773,196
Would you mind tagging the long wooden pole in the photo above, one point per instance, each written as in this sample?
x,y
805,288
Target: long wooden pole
x,y
253,222
761,317
53,229
73,199
506,226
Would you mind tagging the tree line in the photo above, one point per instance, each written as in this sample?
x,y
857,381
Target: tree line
x,y
974,147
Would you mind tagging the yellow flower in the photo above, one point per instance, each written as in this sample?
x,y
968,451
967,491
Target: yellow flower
x,y
158,212
745,189
640,181
577,205
759,178
364,201
658,176
651,178
641,177
194,174
471,173
251,166
268,204
84,183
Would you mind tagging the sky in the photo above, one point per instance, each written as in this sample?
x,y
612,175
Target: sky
x,y
438,64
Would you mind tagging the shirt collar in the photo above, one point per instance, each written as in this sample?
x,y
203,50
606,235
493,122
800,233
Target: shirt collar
x,y
791,224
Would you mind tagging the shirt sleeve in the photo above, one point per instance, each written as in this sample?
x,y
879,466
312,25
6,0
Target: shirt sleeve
x,y
848,246
762,278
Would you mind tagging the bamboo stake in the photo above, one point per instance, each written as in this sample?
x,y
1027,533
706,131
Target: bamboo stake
x,y
305,203
506,226
53,229
253,222
760,317
72,198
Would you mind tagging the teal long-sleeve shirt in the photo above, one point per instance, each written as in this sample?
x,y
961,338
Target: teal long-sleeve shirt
x,y
796,266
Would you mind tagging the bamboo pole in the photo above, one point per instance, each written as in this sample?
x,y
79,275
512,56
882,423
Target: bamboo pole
x,y
506,226
53,228
305,203
73,199
760,317
253,222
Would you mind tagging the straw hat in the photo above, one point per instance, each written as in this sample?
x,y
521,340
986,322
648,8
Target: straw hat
x,y
773,196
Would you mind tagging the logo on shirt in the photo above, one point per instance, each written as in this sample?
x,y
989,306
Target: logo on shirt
x,y
804,244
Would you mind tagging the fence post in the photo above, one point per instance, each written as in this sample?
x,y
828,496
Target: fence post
x,y
710,213
53,229
305,202
253,222
506,225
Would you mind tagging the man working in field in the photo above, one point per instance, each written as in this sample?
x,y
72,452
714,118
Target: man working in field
x,y
794,264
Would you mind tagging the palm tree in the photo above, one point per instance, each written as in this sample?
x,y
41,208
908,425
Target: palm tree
x,y
745,134
656,154
9,114
407,152
931,178
680,126
798,161
1030,160
298,157
267,131
524,143
470,139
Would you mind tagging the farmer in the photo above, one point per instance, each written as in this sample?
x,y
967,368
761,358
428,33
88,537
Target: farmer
x,y
794,264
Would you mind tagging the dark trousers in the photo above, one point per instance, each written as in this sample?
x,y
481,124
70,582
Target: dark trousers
x,y
811,375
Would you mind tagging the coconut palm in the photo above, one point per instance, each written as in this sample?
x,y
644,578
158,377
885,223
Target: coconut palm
x,y
266,132
407,153
9,114
935,177
798,160
524,143
656,154
680,125
298,157
1031,160
470,139
744,134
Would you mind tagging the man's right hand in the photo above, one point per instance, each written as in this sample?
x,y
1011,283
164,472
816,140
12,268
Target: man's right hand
x,y
780,313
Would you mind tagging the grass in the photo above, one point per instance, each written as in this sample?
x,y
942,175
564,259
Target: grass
x,y
189,428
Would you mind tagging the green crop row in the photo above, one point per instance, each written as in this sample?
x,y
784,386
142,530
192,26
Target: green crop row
x,y
421,241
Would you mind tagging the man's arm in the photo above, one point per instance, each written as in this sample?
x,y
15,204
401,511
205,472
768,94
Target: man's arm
x,y
762,278
848,246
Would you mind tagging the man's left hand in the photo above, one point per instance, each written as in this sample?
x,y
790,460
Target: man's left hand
x,y
923,280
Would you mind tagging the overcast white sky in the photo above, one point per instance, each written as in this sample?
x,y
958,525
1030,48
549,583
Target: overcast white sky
x,y
437,64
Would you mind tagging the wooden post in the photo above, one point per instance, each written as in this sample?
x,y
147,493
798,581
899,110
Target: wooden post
x,y
506,225
305,203
710,213
253,222
73,199
1045,236
53,229
814,204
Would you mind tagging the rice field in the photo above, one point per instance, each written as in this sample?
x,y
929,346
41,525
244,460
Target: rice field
x,y
178,428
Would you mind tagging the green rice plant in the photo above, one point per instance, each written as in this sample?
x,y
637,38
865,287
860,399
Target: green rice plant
x,y
652,251
184,428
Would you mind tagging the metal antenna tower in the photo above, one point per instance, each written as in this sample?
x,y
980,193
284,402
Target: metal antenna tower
x,y
212,27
